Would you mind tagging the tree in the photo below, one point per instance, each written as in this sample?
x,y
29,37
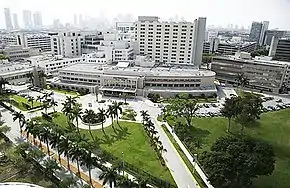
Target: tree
x,y
69,181
50,167
55,139
111,113
30,76
87,159
142,182
89,117
21,118
109,175
182,107
125,96
3,81
54,104
242,80
102,115
77,114
118,110
230,109
41,77
250,109
144,115
3,128
64,148
44,135
31,100
234,162
125,182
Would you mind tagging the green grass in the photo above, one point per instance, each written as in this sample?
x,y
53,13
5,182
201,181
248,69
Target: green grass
x,y
72,93
21,100
242,93
273,127
185,159
133,141
18,170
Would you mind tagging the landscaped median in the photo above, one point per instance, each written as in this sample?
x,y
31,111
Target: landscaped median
x,y
23,103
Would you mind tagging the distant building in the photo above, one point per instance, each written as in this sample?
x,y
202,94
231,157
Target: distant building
x,y
37,20
176,42
272,33
280,49
15,21
66,44
125,27
27,19
8,19
75,20
15,52
257,32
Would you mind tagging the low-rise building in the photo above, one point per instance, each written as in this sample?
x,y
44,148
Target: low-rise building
x,y
263,73
15,52
126,77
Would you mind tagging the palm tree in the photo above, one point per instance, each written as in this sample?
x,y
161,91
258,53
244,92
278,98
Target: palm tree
x,y
89,116
64,148
3,128
142,182
68,106
54,104
125,182
39,98
31,77
109,175
102,115
87,159
69,181
30,129
117,109
21,118
77,113
45,135
111,113
125,96
77,151
50,167
144,115
56,134
31,100
45,105
3,81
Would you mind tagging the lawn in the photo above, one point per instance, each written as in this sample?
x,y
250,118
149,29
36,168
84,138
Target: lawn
x,y
131,139
72,93
21,100
18,170
273,127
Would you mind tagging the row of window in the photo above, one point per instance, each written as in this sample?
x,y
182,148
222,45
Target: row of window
x,y
167,25
172,85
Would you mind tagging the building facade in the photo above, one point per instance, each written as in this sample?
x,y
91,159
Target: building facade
x,y
37,20
16,52
280,49
27,19
137,81
263,73
176,42
8,19
272,33
67,44
15,21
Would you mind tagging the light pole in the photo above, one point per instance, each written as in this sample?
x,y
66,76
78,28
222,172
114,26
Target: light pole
x,y
123,165
194,160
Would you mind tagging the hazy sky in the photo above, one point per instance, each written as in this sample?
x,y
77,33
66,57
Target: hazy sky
x,y
218,12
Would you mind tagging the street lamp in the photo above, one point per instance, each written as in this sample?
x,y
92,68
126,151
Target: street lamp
x,y
194,160
123,165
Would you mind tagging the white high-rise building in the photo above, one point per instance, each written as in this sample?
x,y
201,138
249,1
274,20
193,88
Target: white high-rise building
x,y
67,44
37,20
27,20
175,42
263,31
15,21
8,19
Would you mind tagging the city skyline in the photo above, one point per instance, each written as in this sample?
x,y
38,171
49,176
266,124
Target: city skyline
x,y
217,12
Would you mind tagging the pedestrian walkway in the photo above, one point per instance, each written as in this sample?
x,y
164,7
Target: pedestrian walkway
x,y
188,155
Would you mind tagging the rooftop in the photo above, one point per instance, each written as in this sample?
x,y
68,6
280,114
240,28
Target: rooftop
x,y
138,71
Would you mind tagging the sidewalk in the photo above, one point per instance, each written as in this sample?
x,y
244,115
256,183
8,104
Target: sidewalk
x,y
186,152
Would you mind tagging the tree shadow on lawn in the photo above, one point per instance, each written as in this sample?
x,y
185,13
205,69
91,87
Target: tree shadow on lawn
x,y
120,134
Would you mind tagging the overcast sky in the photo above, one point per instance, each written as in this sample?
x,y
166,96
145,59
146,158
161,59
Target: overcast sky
x,y
218,12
